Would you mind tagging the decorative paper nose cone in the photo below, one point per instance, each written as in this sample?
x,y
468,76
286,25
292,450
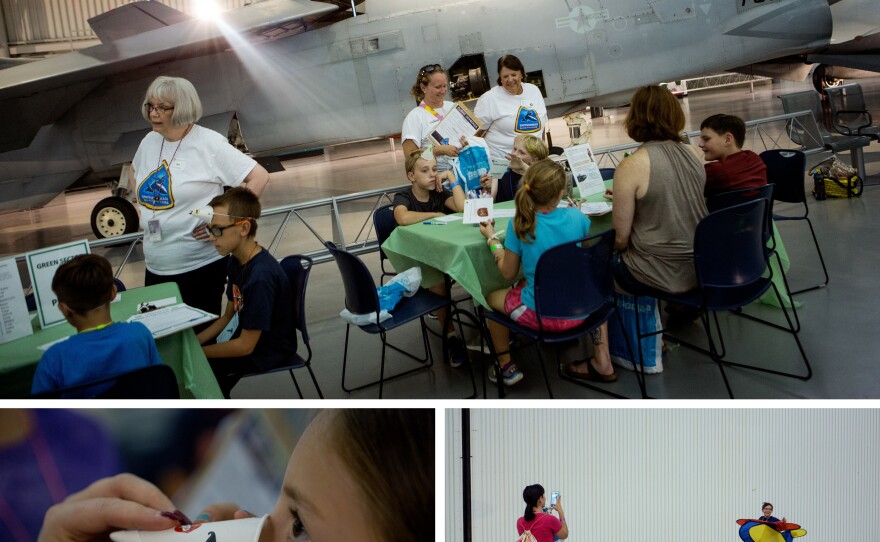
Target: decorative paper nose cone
x,y
205,213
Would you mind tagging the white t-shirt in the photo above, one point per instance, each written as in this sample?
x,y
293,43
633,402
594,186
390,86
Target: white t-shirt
x,y
509,116
418,125
203,163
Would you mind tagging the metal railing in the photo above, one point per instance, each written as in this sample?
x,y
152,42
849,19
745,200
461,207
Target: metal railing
x,y
356,232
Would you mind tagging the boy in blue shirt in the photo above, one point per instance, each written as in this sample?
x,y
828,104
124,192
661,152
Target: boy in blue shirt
x,y
101,348
256,332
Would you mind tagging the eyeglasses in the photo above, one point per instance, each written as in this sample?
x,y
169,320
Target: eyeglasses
x,y
161,109
217,231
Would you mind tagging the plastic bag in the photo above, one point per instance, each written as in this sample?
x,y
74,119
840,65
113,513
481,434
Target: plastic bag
x,y
649,320
471,164
404,284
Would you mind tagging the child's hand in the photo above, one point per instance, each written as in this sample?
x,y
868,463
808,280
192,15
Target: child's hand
x,y
609,194
487,228
486,181
517,165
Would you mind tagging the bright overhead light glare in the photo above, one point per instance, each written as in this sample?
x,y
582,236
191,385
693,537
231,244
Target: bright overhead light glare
x,y
206,9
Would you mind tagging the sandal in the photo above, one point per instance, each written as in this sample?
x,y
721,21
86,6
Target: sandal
x,y
591,375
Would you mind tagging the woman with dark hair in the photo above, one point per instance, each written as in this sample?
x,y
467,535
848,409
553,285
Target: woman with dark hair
x,y
542,526
429,91
658,199
511,108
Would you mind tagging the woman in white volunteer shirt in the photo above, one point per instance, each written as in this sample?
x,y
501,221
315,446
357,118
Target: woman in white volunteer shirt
x,y
511,108
178,167
429,91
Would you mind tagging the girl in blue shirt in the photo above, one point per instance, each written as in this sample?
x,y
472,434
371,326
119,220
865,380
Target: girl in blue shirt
x,y
537,227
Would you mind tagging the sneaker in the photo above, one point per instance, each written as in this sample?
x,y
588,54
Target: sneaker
x,y
456,351
432,315
509,373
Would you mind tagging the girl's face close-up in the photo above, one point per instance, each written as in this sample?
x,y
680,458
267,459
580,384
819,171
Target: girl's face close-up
x,y
768,510
320,501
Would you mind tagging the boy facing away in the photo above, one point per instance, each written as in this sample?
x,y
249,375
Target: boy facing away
x,y
256,332
101,348
729,167
424,200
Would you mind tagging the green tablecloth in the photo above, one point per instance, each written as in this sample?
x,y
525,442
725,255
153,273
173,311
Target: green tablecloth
x,y
181,351
459,250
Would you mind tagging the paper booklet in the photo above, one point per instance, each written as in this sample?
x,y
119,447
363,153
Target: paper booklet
x,y
585,170
168,320
458,122
478,210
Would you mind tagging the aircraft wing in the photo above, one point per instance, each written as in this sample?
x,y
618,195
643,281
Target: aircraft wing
x,y
133,36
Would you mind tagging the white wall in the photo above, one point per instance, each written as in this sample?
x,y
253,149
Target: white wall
x,y
670,474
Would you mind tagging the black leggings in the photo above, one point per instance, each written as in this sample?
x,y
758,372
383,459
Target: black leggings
x,y
201,288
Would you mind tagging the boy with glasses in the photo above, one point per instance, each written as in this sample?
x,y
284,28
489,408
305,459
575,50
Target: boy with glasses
x,y
256,332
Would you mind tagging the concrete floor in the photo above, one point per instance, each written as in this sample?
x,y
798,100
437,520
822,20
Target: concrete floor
x,y
837,320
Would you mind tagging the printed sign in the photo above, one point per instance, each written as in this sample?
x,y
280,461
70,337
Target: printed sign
x,y
42,265
14,320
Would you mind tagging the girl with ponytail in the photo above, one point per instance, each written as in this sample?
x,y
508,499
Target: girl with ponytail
x,y
542,526
537,227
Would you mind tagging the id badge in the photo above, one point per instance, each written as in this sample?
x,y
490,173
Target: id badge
x,y
154,230
229,330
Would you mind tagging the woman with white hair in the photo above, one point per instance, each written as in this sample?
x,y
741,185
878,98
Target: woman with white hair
x,y
178,167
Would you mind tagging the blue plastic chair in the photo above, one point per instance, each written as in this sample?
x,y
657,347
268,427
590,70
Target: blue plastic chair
x,y
297,268
572,281
361,298
384,222
151,382
607,173
785,169
730,259
734,197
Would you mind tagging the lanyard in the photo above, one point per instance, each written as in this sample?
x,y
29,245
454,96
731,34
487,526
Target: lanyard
x,y
431,110
96,328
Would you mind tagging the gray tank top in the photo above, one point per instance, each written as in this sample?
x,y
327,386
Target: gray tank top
x,y
661,246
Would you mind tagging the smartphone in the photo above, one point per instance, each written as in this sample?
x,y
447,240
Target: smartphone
x,y
554,496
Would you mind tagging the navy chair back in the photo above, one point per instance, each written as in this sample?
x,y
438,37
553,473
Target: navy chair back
x,y
384,222
573,280
607,173
151,382
360,288
297,269
735,197
729,246
785,169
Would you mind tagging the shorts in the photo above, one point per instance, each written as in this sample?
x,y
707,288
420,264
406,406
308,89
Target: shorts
x,y
526,317
625,279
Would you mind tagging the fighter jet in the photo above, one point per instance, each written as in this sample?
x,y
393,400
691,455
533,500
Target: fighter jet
x,y
279,76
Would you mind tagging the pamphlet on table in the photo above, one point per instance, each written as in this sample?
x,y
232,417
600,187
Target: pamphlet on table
x,y
15,322
167,320
585,170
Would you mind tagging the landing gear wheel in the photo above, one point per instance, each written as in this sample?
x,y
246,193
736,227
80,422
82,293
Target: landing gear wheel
x,y
114,216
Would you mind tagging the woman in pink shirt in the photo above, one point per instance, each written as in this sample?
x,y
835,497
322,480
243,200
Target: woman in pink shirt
x,y
542,526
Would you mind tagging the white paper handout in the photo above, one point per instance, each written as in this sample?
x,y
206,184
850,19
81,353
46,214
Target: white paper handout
x,y
596,209
458,122
168,320
585,170
14,319
478,210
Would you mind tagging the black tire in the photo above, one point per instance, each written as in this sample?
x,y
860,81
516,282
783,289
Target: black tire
x,y
114,216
